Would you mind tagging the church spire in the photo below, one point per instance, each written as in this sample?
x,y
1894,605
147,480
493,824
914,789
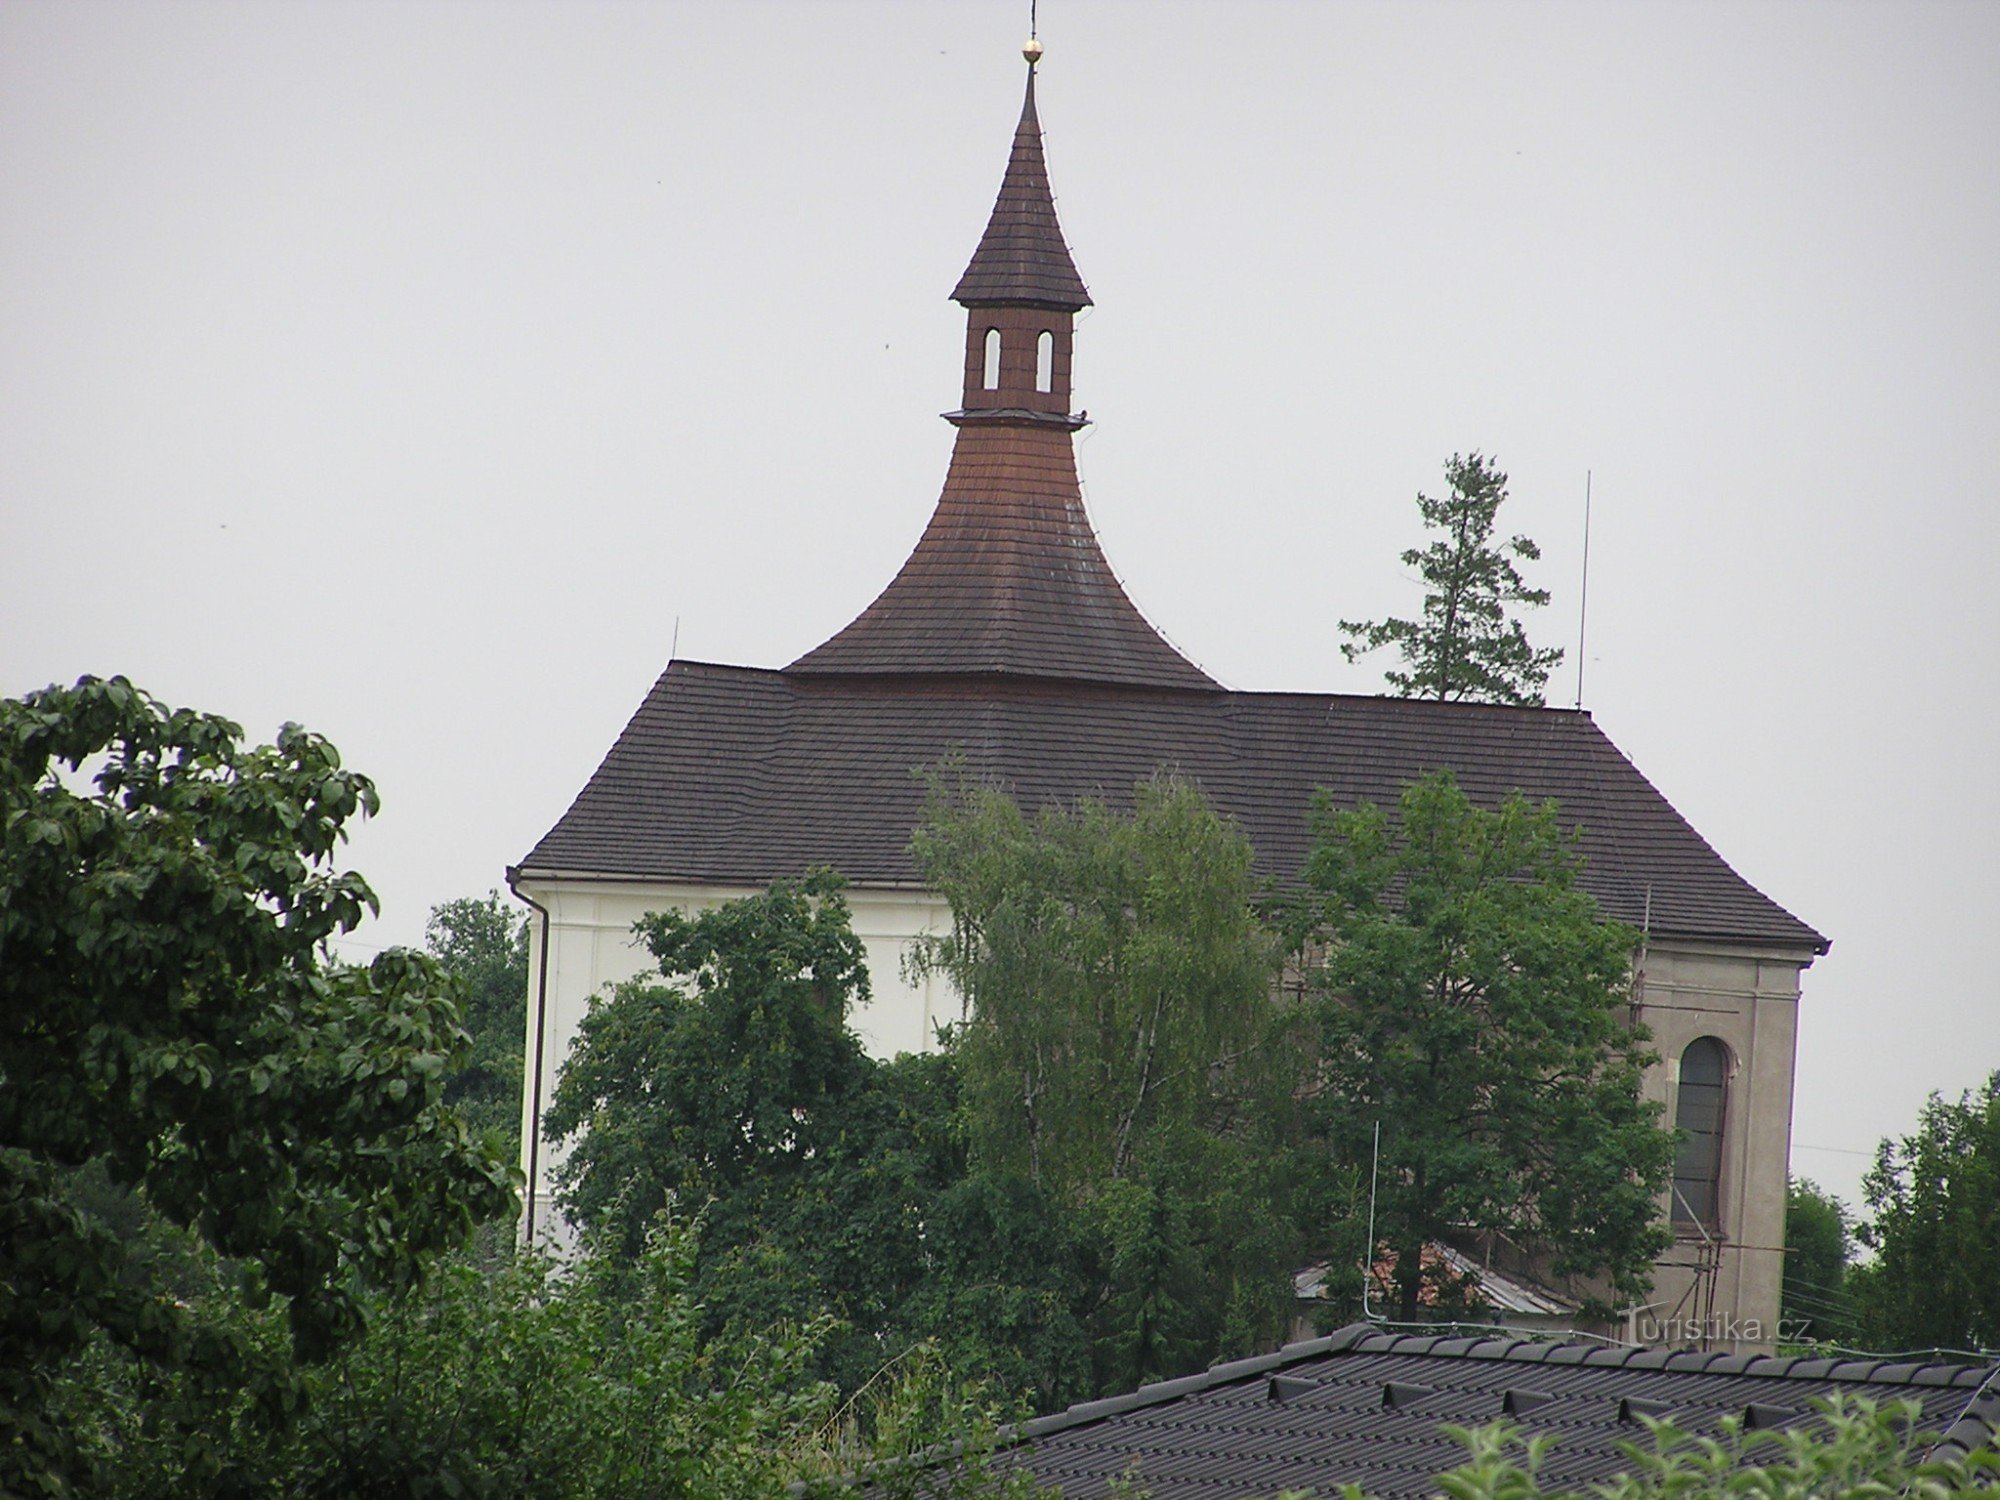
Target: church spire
x,y
1008,579
1022,257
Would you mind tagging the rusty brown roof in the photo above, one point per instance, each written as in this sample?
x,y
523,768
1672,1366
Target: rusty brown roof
x,y
737,775
1008,578
1022,256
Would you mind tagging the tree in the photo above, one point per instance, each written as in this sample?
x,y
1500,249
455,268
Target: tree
x,y
1934,1225
482,942
168,1013
594,1379
1122,1055
1465,647
1815,1303
1470,1001
833,1183
738,1070
1852,1448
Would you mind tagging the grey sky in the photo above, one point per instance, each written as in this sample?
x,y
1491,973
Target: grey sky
x,y
408,370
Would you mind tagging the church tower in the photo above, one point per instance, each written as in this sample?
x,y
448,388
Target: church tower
x,y
1008,579
1006,643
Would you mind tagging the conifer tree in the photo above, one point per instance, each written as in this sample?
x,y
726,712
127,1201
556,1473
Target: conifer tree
x,y
1465,647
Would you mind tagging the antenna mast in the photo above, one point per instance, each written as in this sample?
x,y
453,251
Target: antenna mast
x,y
1583,608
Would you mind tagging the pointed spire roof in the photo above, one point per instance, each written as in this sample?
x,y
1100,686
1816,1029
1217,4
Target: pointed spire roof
x,y
1022,257
1008,579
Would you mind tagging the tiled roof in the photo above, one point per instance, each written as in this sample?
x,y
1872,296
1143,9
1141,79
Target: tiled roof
x,y
1365,1407
1008,577
736,775
1022,257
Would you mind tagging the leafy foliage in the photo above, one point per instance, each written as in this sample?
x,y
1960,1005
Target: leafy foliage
x,y
834,1183
1934,1225
1856,1448
166,1011
1815,1303
1122,1054
1470,998
521,1381
1465,646
482,942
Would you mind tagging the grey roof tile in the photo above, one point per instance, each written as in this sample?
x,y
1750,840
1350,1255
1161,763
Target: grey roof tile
x,y
1219,1436
737,775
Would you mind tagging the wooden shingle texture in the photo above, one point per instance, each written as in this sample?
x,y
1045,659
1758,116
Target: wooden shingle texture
x,y
736,775
1008,577
1022,256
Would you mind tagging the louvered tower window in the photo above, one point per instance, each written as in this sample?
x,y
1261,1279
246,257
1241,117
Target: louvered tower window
x,y
1045,362
992,359
1698,1114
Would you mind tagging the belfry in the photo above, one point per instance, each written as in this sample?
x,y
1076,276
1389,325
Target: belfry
x,y
1007,643
1008,579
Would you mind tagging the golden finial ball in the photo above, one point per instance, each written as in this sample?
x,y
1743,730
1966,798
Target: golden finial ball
x,y
1033,52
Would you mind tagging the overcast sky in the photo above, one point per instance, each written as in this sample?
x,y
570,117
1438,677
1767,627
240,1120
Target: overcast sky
x,y
415,371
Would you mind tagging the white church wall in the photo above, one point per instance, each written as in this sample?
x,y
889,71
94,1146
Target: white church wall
x,y
1745,999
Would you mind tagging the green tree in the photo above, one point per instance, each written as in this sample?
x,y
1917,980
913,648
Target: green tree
x,y
834,1184
600,1379
1815,1303
738,1070
168,1014
1855,1448
1465,647
482,942
1934,1225
1122,1054
1470,1000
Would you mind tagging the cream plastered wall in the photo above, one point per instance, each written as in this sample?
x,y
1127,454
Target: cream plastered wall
x,y
591,947
1723,1295
1722,1291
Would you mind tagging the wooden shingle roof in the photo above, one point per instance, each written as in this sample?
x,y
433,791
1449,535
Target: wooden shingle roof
x,y
1007,639
735,776
1008,578
1022,257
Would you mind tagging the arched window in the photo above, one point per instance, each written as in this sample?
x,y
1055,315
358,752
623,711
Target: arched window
x,y
1045,361
992,359
1698,1111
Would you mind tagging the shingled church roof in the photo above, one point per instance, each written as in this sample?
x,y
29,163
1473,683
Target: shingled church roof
x,y
1006,639
1022,256
736,775
1008,578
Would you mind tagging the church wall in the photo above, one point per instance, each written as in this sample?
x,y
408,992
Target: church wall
x,y
1749,1002
591,946
1745,999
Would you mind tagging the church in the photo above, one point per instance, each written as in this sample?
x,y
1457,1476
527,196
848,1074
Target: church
x,y
1007,640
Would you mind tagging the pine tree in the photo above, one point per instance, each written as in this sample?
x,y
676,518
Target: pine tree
x,y
1465,647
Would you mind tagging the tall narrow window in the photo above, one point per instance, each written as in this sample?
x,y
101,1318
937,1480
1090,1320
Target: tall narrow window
x,y
992,359
1045,361
1698,1110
